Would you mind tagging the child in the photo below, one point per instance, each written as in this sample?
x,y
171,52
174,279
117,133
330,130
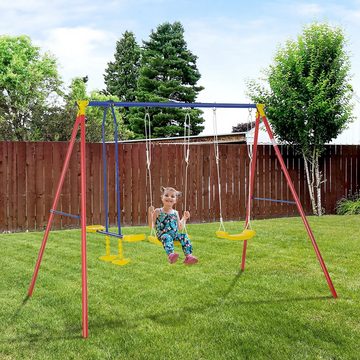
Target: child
x,y
167,222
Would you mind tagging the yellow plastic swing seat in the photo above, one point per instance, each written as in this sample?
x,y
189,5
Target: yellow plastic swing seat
x,y
94,228
221,234
245,235
127,238
156,241
134,237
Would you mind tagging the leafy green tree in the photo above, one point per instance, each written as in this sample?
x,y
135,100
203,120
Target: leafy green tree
x,y
168,72
57,123
94,114
243,127
52,124
27,82
308,98
94,118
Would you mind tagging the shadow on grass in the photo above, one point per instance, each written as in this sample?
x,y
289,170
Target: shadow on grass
x,y
180,315
170,318
231,286
285,300
173,317
41,337
45,335
19,309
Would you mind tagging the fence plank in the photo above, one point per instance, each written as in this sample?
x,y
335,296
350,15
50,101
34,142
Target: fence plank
x,y
142,185
39,186
30,193
3,186
128,194
213,186
243,179
74,174
135,179
235,181
13,211
48,179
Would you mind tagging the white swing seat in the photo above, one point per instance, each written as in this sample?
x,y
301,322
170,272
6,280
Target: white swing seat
x,y
244,235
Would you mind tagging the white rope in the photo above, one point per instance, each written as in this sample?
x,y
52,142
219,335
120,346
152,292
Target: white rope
x,y
147,126
249,146
187,134
217,161
250,154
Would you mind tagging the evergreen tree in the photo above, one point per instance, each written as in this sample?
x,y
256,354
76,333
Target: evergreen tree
x,y
168,72
121,76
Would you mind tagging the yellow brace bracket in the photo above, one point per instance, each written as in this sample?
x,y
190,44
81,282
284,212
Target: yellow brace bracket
x,y
260,109
82,104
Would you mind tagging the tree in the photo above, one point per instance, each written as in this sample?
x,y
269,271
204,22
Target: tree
x,y
57,122
168,72
121,76
27,81
243,127
308,100
94,115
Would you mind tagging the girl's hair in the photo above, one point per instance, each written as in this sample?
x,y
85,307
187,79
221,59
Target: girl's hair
x,y
168,188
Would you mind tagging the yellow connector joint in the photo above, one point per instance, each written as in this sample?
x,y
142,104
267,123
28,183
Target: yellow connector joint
x,y
260,109
82,104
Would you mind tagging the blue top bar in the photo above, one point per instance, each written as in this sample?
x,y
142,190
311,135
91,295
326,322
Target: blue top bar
x,y
171,104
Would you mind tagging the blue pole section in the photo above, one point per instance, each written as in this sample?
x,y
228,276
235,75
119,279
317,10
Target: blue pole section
x,y
275,200
106,197
171,104
117,178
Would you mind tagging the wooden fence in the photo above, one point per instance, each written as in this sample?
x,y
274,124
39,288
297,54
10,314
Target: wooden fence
x,y
29,173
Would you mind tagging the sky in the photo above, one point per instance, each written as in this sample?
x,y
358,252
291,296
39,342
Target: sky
x,y
234,40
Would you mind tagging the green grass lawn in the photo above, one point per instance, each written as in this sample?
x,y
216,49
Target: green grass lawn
x,y
279,308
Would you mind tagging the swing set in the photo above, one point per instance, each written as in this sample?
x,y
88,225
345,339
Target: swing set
x,y
246,234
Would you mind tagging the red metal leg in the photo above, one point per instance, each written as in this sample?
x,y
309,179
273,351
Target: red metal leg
x,y
85,331
54,205
300,208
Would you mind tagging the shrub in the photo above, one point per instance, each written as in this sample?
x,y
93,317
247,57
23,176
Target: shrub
x,y
349,205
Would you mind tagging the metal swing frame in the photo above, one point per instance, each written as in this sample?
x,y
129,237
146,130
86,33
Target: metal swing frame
x,y
80,123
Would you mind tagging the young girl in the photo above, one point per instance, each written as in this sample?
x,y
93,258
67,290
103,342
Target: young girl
x,y
167,223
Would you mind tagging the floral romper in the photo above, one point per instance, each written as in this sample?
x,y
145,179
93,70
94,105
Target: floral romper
x,y
167,231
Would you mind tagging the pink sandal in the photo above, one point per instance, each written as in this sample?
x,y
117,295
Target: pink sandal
x,y
190,260
173,258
